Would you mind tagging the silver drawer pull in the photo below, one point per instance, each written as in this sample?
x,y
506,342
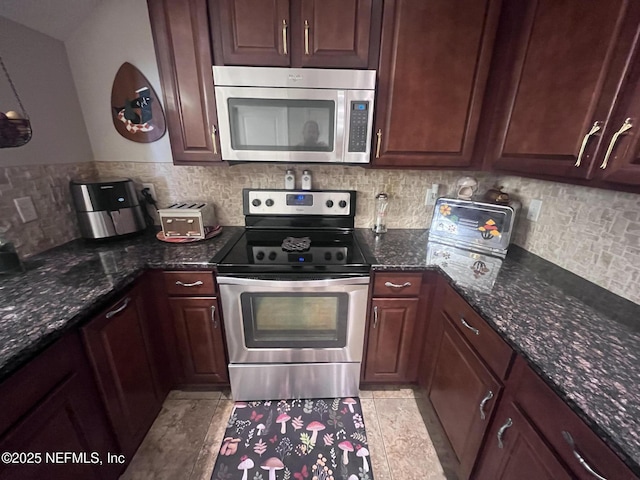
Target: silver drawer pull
x,y
473,329
569,439
194,284
213,316
395,285
484,401
503,428
118,310
375,316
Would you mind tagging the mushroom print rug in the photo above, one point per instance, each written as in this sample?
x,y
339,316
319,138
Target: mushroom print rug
x,y
317,439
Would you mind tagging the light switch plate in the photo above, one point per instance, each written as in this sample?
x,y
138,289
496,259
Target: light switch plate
x,y
26,209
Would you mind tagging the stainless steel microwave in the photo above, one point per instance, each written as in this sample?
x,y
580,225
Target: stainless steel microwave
x,y
294,114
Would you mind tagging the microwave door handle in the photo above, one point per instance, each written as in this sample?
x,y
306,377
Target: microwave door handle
x,y
341,122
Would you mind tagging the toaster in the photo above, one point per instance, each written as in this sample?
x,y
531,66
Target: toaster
x,y
187,219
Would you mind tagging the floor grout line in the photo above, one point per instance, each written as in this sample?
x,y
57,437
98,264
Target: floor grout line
x,y
384,446
204,438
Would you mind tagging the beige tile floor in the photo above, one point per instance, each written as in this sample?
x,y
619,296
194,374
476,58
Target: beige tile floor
x,y
184,440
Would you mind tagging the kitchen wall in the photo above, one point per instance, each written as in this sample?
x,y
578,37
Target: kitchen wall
x,y
59,148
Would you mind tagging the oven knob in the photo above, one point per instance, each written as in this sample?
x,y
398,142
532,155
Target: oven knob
x,y
269,203
340,256
327,256
342,203
260,255
272,255
329,203
256,202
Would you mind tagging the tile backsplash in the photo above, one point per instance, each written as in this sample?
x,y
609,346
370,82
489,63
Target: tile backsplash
x,y
48,187
591,232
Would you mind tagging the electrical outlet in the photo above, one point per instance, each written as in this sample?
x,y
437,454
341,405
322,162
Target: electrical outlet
x,y
432,195
533,212
152,190
26,209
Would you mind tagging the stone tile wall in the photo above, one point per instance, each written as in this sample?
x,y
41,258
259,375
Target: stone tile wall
x,y
48,187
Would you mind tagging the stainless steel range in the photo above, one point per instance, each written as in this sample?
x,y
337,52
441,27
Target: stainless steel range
x,y
294,291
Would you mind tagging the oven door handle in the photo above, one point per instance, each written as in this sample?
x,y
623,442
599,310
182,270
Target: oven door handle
x,y
329,282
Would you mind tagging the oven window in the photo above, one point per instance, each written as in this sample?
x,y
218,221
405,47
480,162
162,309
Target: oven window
x,y
295,320
282,124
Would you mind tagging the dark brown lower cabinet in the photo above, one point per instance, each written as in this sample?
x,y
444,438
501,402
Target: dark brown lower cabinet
x,y
199,339
49,406
515,450
391,334
464,393
118,344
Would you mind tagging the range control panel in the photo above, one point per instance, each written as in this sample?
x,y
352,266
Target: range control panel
x,y
314,255
299,202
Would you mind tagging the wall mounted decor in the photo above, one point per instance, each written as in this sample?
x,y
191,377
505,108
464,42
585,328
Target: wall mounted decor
x,y
135,107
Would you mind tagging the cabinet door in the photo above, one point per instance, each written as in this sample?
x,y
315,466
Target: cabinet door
x,y
181,37
515,450
251,32
620,160
391,325
118,344
199,337
51,405
335,33
434,63
560,63
463,392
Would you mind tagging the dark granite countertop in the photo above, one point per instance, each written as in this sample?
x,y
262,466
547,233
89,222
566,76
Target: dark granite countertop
x,y
584,341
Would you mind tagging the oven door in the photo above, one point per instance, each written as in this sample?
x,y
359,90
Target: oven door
x,y
294,321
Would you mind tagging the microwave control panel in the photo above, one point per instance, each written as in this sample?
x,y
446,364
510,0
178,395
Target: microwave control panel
x,y
359,119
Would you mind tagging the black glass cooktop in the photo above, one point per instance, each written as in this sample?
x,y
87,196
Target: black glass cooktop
x,y
295,250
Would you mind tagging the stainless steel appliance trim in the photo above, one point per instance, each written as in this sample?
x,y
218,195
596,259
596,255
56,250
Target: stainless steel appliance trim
x,y
283,381
231,289
280,207
298,285
294,78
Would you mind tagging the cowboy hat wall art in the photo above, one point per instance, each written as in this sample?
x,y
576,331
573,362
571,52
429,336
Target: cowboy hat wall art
x,y
135,108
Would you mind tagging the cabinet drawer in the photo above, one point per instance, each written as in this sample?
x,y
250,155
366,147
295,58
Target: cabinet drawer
x,y
189,283
494,351
397,284
552,417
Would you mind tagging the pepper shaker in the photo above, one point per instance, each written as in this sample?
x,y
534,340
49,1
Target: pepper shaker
x,y
306,180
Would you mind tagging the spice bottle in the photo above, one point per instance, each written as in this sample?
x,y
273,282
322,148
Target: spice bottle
x,y
290,180
306,180
380,221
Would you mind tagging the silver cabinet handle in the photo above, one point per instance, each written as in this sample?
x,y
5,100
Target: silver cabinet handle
x,y
473,329
214,132
213,316
484,401
306,37
284,37
120,309
595,128
569,439
375,316
395,285
194,284
503,428
627,125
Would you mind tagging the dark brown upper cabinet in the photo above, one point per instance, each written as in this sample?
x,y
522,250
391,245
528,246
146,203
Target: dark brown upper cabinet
x,y
558,89
434,63
183,50
296,33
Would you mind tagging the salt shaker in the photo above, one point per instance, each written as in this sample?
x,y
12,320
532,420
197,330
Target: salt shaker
x,y
290,180
306,180
380,222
